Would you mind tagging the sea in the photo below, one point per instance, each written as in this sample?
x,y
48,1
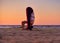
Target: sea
x,y
34,26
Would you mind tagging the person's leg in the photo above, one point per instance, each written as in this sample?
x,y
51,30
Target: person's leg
x,y
28,24
23,24
31,23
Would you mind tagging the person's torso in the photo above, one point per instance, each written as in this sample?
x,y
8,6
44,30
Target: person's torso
x,y
32,16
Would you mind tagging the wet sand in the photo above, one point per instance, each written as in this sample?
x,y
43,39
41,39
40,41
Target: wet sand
x,y
26,36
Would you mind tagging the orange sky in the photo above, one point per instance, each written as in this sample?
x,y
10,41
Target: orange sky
x,y
46,12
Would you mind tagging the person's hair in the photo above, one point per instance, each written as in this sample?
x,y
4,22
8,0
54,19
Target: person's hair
x,y
29,10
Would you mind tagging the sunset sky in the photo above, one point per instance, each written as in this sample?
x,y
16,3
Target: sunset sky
x,y
13,12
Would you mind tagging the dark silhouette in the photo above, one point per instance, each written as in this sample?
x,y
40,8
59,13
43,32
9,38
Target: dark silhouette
x,y
29,11
30,18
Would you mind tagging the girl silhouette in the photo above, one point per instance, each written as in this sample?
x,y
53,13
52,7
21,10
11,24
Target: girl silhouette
x,y
30,18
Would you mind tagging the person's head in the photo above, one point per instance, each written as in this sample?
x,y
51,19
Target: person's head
x,y
29,10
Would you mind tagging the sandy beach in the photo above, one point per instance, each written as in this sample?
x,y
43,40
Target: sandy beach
x,y
18,35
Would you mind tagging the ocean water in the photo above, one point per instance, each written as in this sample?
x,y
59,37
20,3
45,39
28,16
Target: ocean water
x,y
10,26
47,26
35,26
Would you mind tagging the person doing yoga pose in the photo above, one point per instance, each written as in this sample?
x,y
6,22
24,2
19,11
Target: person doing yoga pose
x,y
30,18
